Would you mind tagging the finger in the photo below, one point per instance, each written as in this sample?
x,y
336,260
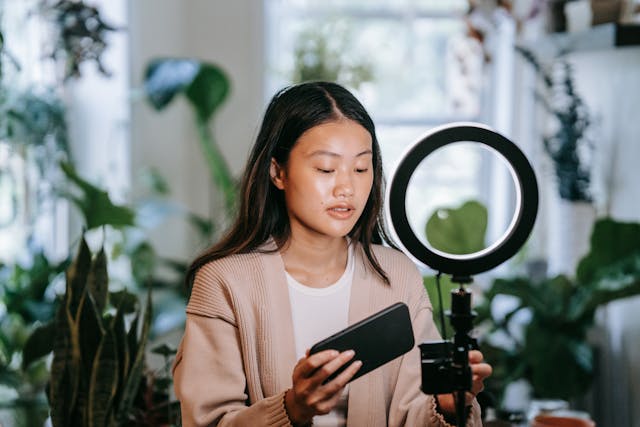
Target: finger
x,y
332,366
481,370
345,376
309,365
475,356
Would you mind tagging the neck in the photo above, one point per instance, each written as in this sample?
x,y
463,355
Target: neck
x,y
316,263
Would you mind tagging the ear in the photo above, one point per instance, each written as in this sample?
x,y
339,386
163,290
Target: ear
x,y
276,172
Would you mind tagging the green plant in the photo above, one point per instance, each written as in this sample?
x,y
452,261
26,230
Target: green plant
x,y
98,368
570,145
98,210
80,34
205,86
458,230
549,348
319,55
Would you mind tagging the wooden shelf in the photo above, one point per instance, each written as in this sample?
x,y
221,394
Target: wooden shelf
x,y
599,37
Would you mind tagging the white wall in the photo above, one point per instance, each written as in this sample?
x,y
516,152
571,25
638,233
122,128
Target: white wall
x,y
228,34
610,83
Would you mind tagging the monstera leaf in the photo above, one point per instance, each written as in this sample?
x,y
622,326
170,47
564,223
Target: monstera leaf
x,y
458,231
205,86
95,204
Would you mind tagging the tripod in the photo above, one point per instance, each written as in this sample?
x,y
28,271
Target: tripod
x,y
445,364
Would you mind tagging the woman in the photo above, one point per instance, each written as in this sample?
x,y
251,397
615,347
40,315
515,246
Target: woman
x,y
302,261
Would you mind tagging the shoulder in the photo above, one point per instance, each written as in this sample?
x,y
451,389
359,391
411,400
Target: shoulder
x,y
391,259
225,281
232,266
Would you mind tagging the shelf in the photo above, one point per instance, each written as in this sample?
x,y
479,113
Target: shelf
x,y
599,37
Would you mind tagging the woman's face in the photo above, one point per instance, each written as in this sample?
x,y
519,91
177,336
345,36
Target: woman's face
x,y
327,179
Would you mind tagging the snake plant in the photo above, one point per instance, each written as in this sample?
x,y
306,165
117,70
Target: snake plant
x,y
98,361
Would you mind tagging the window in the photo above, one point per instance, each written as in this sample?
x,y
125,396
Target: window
x,y
411,64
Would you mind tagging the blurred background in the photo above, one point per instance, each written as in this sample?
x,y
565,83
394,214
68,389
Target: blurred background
x,y
125,126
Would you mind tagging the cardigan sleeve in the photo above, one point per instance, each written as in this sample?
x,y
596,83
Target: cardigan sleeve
x,y
409,405
209,378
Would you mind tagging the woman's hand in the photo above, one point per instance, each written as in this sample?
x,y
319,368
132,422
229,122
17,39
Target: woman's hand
x,y
479,371
309,396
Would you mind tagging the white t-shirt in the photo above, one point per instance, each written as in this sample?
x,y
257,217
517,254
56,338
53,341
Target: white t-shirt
x,y
318,313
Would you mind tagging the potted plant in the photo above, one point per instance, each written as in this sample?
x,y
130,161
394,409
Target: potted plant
x,y
569,146
543,337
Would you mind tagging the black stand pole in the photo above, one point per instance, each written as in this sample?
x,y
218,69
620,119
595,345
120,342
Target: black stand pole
x,y
461,318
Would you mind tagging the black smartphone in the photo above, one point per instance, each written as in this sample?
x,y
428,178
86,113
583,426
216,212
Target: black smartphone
x,y
376,340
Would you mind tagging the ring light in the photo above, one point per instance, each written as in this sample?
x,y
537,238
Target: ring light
x,y
521,223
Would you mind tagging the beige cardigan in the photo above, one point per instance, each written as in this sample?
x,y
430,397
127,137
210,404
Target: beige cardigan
x,y
237,354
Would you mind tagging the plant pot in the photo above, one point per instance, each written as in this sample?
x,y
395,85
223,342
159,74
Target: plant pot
x,y
569,232
557,421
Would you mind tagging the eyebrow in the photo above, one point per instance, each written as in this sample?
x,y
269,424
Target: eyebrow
x,y
332,154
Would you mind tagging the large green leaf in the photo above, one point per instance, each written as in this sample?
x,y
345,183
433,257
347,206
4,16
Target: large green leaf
x,y
122,345
39,343
611,241
561,365
205,85
63,384
95,204
208,90
98,281
25,287
90,332
132,382
125,301
104,381
458,231
164,78
620,279
77,275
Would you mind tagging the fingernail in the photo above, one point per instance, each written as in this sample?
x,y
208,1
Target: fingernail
x,y
350,353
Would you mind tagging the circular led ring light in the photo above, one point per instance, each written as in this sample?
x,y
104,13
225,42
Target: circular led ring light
x,y
521,223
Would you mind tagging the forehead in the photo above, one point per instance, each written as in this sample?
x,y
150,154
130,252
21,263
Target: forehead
x,y
340,138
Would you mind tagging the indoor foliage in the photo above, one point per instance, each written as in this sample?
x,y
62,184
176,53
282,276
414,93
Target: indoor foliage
x,y
552,351
98,339
570,146
205,86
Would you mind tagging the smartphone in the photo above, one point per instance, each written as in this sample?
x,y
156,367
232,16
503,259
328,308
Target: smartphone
x,y
376,340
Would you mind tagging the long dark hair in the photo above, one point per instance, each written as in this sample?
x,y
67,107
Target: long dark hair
x,y
262,212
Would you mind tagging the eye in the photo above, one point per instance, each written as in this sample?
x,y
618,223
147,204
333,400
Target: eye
x,y
362,170
324,170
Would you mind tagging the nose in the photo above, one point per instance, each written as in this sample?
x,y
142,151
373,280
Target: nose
x,y
343,188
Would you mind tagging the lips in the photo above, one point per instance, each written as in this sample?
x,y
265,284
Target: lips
x,y
341,211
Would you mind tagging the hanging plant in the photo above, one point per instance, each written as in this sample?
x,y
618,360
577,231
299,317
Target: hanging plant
x,y
80,34
570,146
